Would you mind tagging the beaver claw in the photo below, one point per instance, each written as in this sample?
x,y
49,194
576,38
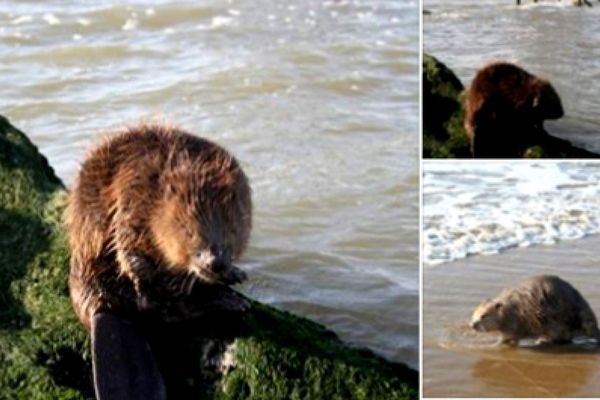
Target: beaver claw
x,y
233,276
145,304
225,300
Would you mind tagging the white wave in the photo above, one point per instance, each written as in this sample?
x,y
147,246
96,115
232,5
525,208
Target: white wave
x,y
22,19
486,208
130,24
51,19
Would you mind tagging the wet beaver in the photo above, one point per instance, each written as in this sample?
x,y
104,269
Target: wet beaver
x,y
505,107
578,2
153,211
544,307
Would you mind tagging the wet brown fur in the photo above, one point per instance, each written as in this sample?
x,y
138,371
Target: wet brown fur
x,y
147,202
544,307
505,107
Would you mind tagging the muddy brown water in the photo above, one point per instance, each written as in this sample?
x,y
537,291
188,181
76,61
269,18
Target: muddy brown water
x,y
459,363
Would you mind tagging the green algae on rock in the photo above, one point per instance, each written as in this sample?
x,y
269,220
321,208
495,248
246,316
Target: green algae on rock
x,y
43,351
443,114
263,353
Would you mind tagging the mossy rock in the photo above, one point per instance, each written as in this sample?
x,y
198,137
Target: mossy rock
x,y
443,132
443,114
45,353
553,147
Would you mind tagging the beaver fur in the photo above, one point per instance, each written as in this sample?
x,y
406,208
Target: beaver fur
x,y
153,211
543,307
505,107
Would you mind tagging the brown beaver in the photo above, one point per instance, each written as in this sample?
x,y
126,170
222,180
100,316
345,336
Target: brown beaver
x,y
579,2
505,107
544,307
153,211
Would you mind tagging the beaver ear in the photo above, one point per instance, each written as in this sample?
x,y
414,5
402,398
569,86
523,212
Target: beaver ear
x,y
498,305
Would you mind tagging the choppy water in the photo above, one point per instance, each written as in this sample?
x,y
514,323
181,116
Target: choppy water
x,y
318,100
483,208
551,38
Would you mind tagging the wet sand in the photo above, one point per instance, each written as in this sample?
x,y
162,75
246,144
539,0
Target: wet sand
x,y
457,363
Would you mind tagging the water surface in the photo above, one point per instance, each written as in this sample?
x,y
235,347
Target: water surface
x,y
487,226
485,208
458,363
317,99
551,38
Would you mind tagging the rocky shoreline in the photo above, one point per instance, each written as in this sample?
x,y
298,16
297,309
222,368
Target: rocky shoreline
x,y
45,352
443,113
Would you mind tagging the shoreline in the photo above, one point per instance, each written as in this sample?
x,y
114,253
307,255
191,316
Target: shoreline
x,y
510,248
451,367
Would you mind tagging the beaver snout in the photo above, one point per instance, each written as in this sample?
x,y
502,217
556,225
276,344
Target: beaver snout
x,y
556,113
221,260
215,259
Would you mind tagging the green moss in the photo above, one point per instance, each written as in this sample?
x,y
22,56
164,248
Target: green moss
x,y
37,325
534,152
45,353
443,132
295,366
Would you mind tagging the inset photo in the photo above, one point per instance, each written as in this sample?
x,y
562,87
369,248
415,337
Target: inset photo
x,y
510,279
511,79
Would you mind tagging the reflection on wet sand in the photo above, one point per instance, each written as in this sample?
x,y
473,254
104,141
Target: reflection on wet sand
x,y
521,373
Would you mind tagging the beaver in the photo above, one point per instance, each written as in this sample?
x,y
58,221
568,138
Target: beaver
x,y
582,2
153,211
505,107
543,307
578,2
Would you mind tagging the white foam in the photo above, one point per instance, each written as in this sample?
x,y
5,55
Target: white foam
x,y
22,19
485,208
83,21
220,21
51,19
130,24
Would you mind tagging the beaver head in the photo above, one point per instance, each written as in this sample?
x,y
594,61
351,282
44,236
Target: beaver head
x,y
546,102
202,222
487,316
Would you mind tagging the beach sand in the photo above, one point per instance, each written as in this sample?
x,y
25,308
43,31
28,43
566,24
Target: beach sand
x,y
460,363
